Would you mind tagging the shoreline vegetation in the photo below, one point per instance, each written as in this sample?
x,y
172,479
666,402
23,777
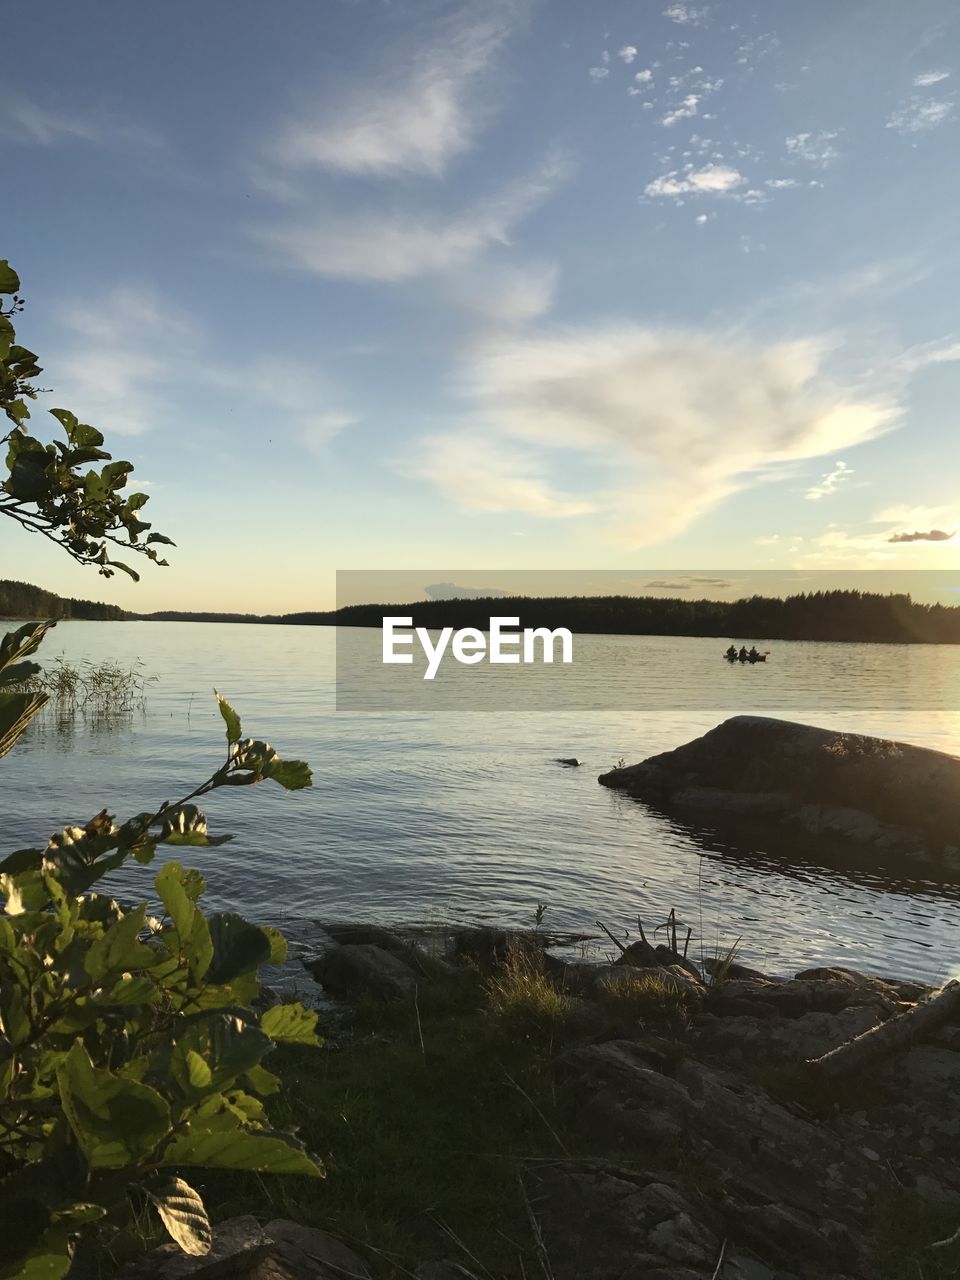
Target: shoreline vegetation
x,y
485,1108
843,615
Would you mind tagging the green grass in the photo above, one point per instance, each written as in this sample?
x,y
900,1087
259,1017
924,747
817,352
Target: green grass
x,y
521,994
422,1121
645,995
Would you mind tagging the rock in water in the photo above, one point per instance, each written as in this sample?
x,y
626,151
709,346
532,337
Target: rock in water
x,y
873,792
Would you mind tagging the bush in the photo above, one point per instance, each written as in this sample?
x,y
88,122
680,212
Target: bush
x,y
130,1049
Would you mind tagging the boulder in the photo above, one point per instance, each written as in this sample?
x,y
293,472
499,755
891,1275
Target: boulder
x,y
856,790
358,969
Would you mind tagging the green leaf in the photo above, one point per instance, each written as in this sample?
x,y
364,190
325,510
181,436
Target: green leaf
x,y
28,479
49,1259
9,280
278,944
178,905
292,775
238,946
16,712
237,1148
183,1214
263,1081
290,1024
230,719
198,1072
120,947
117,1121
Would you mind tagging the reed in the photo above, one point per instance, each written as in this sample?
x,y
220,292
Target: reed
x,y
92,688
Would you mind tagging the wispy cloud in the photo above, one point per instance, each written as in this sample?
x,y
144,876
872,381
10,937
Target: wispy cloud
x,y
114,370
709,180
927,78
478,478
31,123
505,294
414,121
943,351
398,246
829,483
660,426
815,148
920,115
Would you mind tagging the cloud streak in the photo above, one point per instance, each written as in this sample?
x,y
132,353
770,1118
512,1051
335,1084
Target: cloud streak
x,y
660,427
398,124
403,245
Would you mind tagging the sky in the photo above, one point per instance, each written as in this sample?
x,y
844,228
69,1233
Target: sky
x,y
510,284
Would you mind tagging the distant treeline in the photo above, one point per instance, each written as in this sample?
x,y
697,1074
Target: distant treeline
x,y
815,615
23,600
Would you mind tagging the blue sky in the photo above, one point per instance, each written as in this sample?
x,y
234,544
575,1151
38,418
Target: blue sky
x,y
369,284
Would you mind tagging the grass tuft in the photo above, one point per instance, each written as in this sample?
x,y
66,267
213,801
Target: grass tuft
x,y
521,993
644,995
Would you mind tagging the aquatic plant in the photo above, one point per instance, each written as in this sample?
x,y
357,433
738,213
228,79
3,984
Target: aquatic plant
x,y
98,688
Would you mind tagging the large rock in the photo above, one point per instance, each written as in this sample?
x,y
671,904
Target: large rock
x,y
872,792
785,1182
359,969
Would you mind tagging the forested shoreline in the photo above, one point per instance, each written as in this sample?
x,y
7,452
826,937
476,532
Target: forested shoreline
x,y
819,615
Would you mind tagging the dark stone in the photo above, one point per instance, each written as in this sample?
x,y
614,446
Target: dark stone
x,y
364,969
861,790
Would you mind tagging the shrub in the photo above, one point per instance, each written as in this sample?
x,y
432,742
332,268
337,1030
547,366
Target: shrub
x,y
130,1049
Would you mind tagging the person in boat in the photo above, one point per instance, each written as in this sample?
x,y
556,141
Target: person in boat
x,y
731,653
753,655
743,655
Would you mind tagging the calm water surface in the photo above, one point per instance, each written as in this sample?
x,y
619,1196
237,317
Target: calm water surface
x,y
434,816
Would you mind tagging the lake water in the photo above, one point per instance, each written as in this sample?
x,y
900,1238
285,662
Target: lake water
x,y
463,816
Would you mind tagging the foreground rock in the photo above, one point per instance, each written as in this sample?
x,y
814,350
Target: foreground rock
x,y
899,799
245,1250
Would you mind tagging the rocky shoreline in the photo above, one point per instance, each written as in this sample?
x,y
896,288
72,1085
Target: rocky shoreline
x,y
712,1146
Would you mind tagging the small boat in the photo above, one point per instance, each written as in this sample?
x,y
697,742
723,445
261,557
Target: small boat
x,y
747,657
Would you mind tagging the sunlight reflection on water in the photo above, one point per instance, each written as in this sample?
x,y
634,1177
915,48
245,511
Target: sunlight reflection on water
x,y
421,816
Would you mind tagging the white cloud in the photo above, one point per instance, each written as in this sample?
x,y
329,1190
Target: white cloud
x,y
478,478
661,425
598,73
829,483
684,111
628,53
505,295
644,77
927,78
114,371
941,351
710,180
816,148
781,184
414,121
919,115
685,14
403,245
